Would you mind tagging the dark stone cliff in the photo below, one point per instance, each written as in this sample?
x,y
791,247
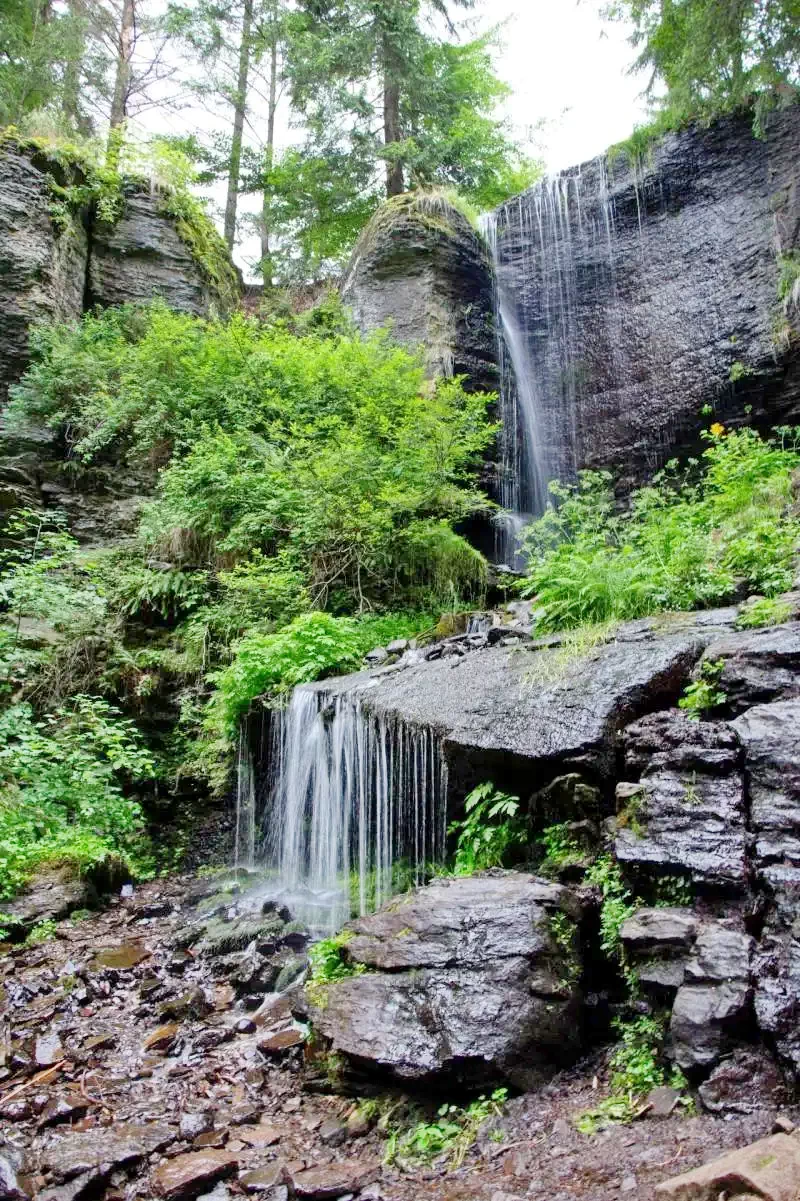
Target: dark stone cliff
x,y
57,260
421,268
641,293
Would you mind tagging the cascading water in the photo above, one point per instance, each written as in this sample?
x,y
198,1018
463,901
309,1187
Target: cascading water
x,y
352,794
536,241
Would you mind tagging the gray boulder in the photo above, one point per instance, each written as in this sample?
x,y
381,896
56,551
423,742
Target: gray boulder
x,y
688,815
715,998
421,268
468,979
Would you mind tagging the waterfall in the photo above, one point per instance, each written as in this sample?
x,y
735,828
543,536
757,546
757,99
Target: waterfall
x,y
536,242
352,795
245,838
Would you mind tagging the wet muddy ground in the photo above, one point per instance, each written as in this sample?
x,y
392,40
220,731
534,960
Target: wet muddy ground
x,y
139,1061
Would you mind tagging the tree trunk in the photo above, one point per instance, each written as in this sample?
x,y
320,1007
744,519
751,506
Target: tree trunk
x,y
269,159
395,184
70,96
125,47
239,111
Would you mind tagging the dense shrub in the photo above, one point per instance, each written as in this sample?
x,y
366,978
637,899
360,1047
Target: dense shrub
x,y
696,537
61,787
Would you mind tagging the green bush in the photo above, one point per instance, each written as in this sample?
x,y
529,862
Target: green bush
x,y
704,694
765,611
692,539
61,788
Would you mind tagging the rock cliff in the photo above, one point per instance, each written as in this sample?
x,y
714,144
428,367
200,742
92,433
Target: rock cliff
x,y
643,290
57,258
421,268
43,262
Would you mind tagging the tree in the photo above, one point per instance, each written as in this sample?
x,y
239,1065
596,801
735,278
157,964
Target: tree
x,y
239,47
716,55
393,103
35,41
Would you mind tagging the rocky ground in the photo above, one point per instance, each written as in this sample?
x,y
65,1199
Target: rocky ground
x,y
144,1053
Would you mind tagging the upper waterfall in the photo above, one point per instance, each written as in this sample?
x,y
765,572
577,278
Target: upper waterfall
x,y
539,242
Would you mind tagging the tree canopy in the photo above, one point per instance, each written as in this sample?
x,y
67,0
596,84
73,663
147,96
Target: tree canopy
x,y
706,57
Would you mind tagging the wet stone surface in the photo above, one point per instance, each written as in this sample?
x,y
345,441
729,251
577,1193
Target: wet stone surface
x,y
131,1111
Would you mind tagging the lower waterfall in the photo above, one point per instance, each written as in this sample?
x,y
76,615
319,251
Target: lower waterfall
x,y
353,795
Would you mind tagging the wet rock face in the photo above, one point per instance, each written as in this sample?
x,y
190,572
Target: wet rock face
x,y
688,813
646,292
427,274
474,978
42,265
142,257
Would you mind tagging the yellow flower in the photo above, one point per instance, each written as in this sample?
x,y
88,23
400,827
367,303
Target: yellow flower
x,y
717,430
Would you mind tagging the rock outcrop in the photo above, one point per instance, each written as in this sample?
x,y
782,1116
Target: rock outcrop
x,y
648,288
421,267
57,258
43,258
469,979
142,256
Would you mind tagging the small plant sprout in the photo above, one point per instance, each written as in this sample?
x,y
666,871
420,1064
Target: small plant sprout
x,y
704,694
491,827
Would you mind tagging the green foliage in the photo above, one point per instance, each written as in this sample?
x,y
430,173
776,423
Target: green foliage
x,y
739,371
329,964
61,788
616,906
450,1134
41,933
704,694
492,826
765,611
715,56
636,1067
561,849
691,539
673,891
789,280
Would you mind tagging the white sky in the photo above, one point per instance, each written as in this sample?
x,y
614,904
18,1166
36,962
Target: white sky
x,y
568,71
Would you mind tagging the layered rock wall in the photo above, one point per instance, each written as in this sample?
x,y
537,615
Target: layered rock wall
x,y
421,269
58,259
647,290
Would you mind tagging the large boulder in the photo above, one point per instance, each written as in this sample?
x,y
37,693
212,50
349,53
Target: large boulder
x,y
647,287
421,268
43,250
770,735
714,1001
521,714
469,979
687,814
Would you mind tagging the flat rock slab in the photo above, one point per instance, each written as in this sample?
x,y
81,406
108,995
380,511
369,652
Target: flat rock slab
x,y
100,1152
526,703
190,1175
769,1169
334,1180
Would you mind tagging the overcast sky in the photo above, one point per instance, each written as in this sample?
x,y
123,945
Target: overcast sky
x,y
569,69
